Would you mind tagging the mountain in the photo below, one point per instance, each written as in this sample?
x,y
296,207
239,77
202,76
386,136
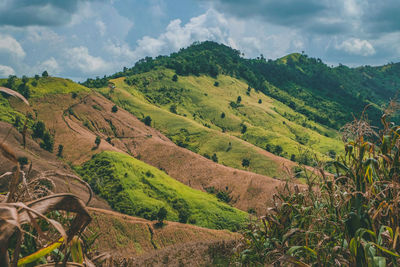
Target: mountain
x,y
327,95
205,133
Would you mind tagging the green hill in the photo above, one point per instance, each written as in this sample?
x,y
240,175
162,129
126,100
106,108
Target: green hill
x,y
323,94
202,114
135,188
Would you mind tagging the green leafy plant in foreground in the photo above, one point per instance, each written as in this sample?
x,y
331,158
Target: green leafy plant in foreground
x,y
350,218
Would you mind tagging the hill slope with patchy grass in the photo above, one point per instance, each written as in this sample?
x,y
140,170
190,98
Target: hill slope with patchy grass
x,y
203,113
135,188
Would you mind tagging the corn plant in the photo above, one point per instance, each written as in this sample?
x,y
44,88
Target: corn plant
x,y
349,218
37,226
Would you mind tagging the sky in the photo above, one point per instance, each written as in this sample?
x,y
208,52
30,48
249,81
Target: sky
x,y
78,39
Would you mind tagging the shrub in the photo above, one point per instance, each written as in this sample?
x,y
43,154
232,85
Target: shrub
x,y
243,128
173,108
259,101
48,142
60,151
239,99
222,115
147,120
214,158
175,78
216,84
97,141
245,163
161,215
38,129
74,95
114,109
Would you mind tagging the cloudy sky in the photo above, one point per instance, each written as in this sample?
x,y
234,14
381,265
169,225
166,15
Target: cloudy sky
x,y
88,38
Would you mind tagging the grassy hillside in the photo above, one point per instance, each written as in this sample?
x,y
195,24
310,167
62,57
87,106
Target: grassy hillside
x,y
324,94
135,188
202,113
41,86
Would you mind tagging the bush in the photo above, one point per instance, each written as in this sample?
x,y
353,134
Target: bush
x,y
175,78
23,161
161,215
350,218
222,115
147,120
60,151
245,163
38,129
214,158
259,101
48,142
114,109
97,141
216,84
173,108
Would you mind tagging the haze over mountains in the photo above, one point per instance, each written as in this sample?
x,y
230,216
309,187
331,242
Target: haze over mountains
x,y
205,133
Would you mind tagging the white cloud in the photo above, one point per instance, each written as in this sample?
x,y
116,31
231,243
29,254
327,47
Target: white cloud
x,y
79,57
5,71
356,46
101,26
40,34
51,65
11,46
119,50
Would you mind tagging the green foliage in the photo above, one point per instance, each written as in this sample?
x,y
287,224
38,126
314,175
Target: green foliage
x,y
97,141
161,215
147,120
45,74
245,163
214,158
60,151
114,109
173,109
175,78
238,100
39,129
124,182
216,84
348,219
48,141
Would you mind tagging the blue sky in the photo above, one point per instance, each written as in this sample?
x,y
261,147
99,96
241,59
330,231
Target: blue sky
x,y
88,38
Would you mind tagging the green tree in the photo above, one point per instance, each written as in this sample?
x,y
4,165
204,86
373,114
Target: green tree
x,y
114,109
214,158
259,101
278,150
45,74
37,77
239,99
175,78
97,141
173,109
216,84
245,163
243,128
48,141
60,151
147,120
222,115
38,129
161,215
